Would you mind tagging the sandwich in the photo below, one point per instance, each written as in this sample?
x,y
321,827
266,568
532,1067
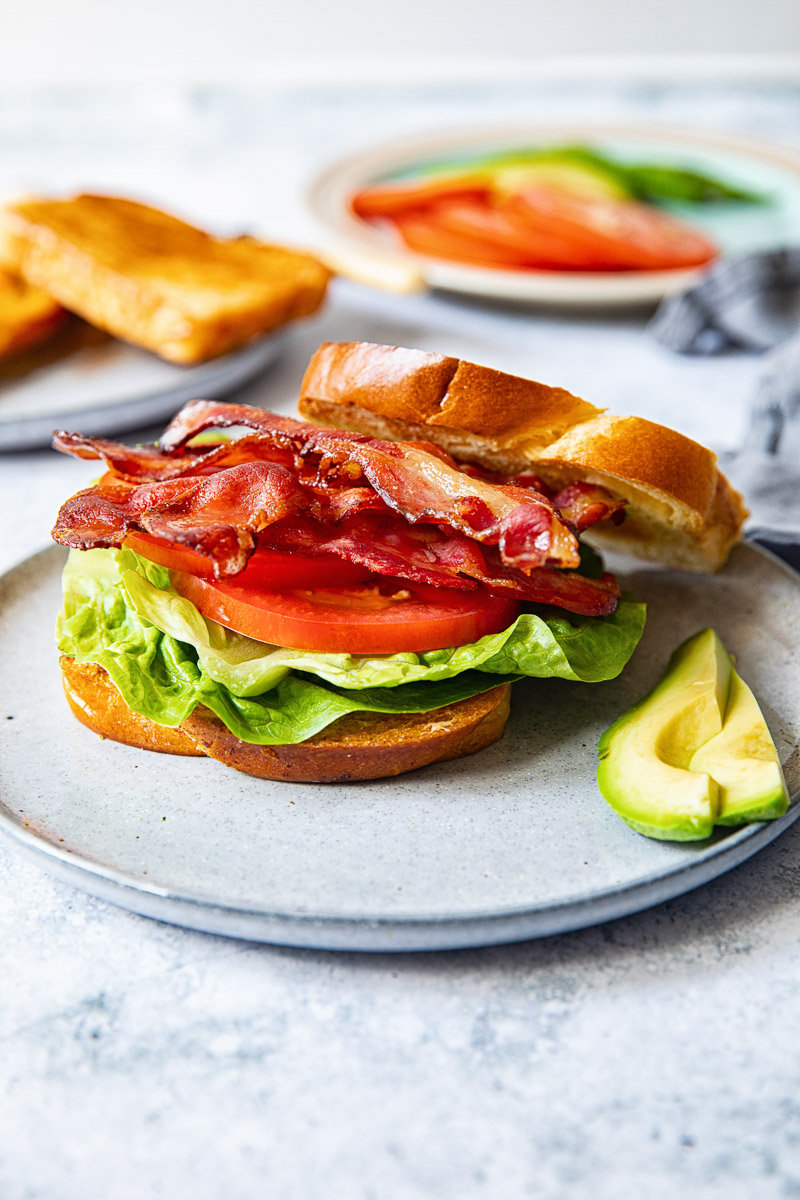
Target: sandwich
x,y
355,597
154,280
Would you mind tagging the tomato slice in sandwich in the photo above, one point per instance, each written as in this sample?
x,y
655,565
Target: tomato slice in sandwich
x,y
379,616
322,603
271,570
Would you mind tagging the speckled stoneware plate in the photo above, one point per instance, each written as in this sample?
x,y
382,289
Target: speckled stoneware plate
x,y
737,228
107,387
513,843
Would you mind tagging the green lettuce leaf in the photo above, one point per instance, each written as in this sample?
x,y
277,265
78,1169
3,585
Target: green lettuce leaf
x,y
165,657
588,649
162,677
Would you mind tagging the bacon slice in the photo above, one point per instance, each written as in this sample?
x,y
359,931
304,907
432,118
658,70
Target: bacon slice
x,y
387,546
419,483
563,589
199,415
580,504
218,515
401,509
150,462
584,504
336,504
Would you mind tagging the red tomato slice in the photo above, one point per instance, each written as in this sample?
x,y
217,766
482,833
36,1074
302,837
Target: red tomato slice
x,y
393,199
503,226
269,569
382,616
424,234
623,234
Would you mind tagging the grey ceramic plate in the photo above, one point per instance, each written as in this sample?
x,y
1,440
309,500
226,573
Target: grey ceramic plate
x,y
511,844
110,387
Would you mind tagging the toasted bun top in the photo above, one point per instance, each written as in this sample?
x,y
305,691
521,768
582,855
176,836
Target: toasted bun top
x,y
434,389
681,511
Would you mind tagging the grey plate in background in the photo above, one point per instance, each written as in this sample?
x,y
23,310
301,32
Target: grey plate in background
x,y
512,843
112,387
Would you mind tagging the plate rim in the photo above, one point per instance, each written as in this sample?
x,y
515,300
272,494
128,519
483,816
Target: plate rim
x,y
223,374
345,233
395,931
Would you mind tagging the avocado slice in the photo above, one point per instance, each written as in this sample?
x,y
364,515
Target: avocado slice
x,y
644,757
695,752
743,760
576,178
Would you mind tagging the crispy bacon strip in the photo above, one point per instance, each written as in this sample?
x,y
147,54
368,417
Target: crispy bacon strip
x,y
151,463
584,504
388,546
417,483
335,504
580,504
218,515
199,415
400,509
564,589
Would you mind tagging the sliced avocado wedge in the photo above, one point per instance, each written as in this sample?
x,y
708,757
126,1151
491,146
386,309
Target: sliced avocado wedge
x,y
743,760
695,752
575,178
644,757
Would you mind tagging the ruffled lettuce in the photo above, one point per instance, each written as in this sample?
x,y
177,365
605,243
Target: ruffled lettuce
x,y
165,657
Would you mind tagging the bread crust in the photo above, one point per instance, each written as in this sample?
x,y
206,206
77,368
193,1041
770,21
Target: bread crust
x,y
358,746
98,705
28,317
680,510
154,280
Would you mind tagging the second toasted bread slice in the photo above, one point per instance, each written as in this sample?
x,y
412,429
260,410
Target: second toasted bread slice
x,y
28,316
153,280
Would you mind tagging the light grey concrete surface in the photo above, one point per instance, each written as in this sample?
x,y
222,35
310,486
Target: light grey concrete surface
x,y
656,1056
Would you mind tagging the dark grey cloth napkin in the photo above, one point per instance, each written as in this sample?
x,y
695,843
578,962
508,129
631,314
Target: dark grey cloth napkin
x,y
753,304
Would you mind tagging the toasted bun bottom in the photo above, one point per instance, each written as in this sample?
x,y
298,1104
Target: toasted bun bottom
x,y
358,746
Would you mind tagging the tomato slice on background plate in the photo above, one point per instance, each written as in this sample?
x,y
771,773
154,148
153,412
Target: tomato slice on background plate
x,y
424,234
394,199
379,616
625,234
506,227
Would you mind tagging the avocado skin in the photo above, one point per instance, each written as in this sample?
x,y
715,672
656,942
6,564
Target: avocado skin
x,y
695,752
698,832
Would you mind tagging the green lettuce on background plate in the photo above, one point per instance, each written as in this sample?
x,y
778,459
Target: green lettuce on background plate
x,y
165,658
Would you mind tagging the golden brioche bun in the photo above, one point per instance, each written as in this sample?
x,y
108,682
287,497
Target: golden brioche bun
x,y
681,510
358,746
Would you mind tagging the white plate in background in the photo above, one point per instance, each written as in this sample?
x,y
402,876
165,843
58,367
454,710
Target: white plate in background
x,y
737,228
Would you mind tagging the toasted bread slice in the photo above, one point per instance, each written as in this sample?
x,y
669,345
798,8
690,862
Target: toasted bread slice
x,y
681,509
153,280
358,746
28,316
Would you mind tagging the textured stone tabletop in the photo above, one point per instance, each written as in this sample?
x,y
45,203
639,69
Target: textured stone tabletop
x,y
655,1056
